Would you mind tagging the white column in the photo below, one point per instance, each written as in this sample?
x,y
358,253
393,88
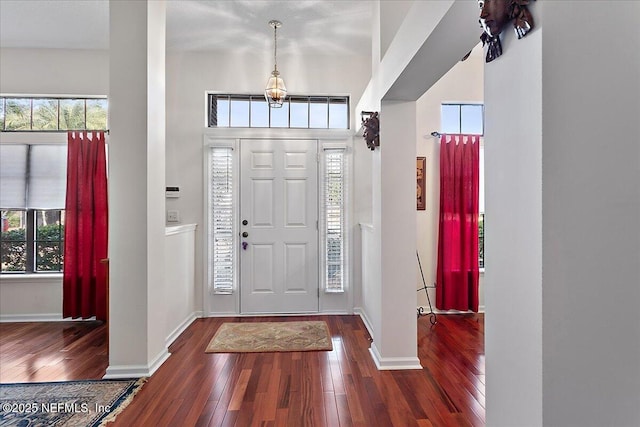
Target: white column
x,y
591,214
513,232
136,187
563,209
394,222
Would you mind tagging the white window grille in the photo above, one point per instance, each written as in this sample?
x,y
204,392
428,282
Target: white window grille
x,y
221,220
334,195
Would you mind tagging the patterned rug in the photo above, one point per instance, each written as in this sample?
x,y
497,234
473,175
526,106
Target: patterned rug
x,y
71,403
257,337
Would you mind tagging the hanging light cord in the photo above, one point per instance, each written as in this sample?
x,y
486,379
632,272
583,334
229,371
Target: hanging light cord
x,y
275,47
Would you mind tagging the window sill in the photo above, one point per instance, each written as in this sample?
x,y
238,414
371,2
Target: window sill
x,y
29,277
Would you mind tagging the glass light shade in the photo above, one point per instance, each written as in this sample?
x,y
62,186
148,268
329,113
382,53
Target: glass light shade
x,y
276,92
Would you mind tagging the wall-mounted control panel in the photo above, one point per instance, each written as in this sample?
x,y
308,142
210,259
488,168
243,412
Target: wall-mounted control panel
x,y
172,192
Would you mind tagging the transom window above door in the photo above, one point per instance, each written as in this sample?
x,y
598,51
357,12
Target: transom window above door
x,y
301,112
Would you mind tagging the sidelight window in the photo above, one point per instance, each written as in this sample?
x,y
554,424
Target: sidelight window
x,y
334,197
221,205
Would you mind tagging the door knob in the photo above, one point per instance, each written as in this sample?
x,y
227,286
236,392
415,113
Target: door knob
x,y
245,234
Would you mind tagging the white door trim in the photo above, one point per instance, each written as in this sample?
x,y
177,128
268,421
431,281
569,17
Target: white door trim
x,y
229,304
279,201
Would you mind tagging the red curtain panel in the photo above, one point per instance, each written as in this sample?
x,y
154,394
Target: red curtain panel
x,y
86,227
457,271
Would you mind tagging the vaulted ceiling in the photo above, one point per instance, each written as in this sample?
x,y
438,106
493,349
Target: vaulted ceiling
x,y
322,27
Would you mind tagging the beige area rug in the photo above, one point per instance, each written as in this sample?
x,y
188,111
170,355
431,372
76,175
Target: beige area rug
x,y
258,337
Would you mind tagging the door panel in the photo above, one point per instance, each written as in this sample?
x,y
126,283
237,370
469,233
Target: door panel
x,y
295,268
262,280
295,203
262,194
279,201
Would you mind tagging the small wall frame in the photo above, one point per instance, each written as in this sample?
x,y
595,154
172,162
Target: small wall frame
x,y
421,194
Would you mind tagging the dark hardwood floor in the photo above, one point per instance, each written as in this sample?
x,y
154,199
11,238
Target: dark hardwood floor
x,y
337,388
52,351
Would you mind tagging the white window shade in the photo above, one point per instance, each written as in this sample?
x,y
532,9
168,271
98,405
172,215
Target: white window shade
x,y
221,220
334,192
13,176
47,184
33,176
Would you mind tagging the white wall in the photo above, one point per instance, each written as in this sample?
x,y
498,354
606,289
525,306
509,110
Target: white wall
x,y
464,83
54,72
591,213
30,299
563,245
190,75
179,283
393,12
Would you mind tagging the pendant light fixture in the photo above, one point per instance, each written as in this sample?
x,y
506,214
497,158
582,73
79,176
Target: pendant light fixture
x,y
276,92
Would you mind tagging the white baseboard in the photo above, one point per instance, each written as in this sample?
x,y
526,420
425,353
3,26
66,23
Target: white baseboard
x,y
393,363
180,329
48,317
333,313
40,317
436,311
126,371
365,319
158,361
386,363
136,371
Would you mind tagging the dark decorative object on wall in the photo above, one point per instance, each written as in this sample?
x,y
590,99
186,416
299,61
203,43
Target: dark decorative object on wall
x,y
494,15
371,127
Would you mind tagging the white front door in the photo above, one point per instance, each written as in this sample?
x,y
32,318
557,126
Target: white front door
x,y
278,226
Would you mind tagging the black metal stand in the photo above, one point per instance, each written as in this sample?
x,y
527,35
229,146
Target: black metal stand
x,y
432,316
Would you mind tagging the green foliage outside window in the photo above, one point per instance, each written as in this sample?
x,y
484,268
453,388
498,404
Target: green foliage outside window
x,y
1,114
52,114
72,114
14,250
49,249
45,114
96,114
18,114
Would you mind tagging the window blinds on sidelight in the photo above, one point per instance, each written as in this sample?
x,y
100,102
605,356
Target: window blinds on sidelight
x,y
221,226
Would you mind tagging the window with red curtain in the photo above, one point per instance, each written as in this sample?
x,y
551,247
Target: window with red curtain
x,y
457,271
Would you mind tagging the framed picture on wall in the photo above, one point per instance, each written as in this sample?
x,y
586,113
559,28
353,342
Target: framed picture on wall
x,y
420,181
